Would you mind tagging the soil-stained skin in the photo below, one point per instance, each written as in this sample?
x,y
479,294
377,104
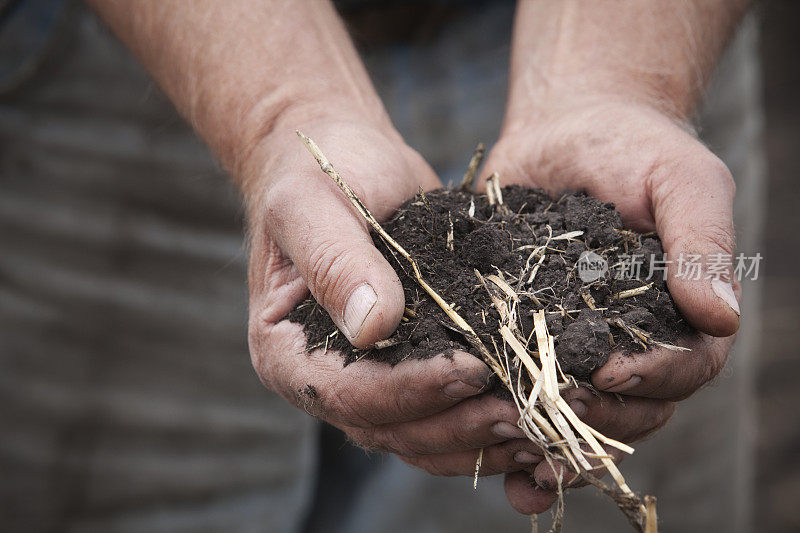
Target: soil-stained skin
x,y
499,240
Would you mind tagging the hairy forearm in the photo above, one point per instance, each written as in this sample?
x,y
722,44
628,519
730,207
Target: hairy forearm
x,y
655,52
237,69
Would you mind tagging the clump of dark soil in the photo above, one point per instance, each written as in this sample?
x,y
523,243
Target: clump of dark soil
x,y
589,319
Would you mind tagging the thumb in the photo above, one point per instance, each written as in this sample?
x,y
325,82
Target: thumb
x,y
330,246
693,212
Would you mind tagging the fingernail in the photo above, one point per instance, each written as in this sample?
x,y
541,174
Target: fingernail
x,y
527,458
507,430
626,385
458,390
724,289
358,308
578,407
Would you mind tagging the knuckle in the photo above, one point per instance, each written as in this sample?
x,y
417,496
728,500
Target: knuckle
x,y
328,266
322,274
664,415
465,433
666,377
409,397
719,235
268,269
462,438
604,412
714,359
342,406
499,459
408,406
653,418
417,387
715,364
388,438
714,235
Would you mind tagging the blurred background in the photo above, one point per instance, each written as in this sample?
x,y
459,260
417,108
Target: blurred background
x,y
127,401
777,470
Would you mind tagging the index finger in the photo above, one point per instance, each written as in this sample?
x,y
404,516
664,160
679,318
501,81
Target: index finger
x,y
364,393
664,373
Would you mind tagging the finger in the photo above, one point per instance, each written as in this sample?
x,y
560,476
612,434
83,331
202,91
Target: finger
x,y
693,210
333,252
626,419
525,496
474,423
664,373
509,456
329,243
365,393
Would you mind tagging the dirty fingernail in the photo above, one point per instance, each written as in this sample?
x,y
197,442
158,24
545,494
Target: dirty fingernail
x,y
458,390
507,430
527,458
475,373
578,407
358,307
626,385
724,290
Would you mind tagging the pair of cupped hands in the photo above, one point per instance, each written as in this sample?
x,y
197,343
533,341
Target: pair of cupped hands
x,y
305,236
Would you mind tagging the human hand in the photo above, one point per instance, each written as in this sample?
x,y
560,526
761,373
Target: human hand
x,y
661,179
305,235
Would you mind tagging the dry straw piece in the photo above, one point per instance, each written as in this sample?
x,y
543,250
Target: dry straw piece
x,y
545,417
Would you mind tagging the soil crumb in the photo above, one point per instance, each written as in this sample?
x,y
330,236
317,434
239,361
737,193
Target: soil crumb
x,y
579,238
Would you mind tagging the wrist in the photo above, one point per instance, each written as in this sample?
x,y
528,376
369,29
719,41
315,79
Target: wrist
x,y
271,132
365,149
546,109
669,94
653,54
